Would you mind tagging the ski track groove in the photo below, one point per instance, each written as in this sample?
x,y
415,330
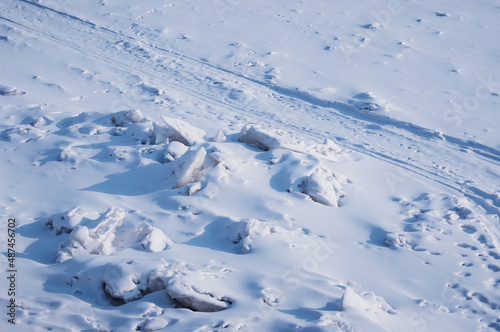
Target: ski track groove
x,y
293,100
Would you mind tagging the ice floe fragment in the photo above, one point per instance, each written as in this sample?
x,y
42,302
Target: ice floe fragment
x,y
184,132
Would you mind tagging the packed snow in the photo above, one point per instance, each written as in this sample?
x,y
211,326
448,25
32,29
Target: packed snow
x,y
250,165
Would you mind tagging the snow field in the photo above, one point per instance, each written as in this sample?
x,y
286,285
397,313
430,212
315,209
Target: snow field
x,y
263,167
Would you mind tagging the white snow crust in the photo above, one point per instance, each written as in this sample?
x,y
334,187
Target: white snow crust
x,y
250,165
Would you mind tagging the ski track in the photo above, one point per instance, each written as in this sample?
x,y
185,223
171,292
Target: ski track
x,y
339,117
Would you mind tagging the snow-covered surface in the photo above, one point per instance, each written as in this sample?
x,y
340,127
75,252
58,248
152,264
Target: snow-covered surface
x,y
251,165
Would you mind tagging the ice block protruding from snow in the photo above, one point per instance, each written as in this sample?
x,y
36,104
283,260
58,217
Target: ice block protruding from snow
x,y
219,137
269,139
174,151
94,238
161,134
65,222
261,138
187,168
324,187
184,132
190,297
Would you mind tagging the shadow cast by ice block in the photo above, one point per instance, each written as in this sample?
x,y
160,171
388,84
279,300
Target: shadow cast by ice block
x,y
377,237
313,314
44,249
135,182
215,237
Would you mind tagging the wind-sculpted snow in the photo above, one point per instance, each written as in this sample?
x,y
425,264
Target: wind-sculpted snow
x,y
251,195
216,171
250,165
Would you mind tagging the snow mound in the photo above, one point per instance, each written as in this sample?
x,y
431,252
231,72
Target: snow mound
x,y
10,91
268,139
96,238
367,102
398,240
154,324
125,118
184,132
65,222
250,235
191,290
36,122
151,239
324,186
128,281
355,299
243,232
69,155
141,132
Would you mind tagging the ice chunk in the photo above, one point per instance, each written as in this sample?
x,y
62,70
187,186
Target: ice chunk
x,y
190,297
65,222
174,151
123,119
184,132
261,138
161,134
269,139
187,168
94,238
193,188
219,137
324,186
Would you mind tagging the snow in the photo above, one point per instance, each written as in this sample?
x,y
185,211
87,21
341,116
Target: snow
x,y
251,165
